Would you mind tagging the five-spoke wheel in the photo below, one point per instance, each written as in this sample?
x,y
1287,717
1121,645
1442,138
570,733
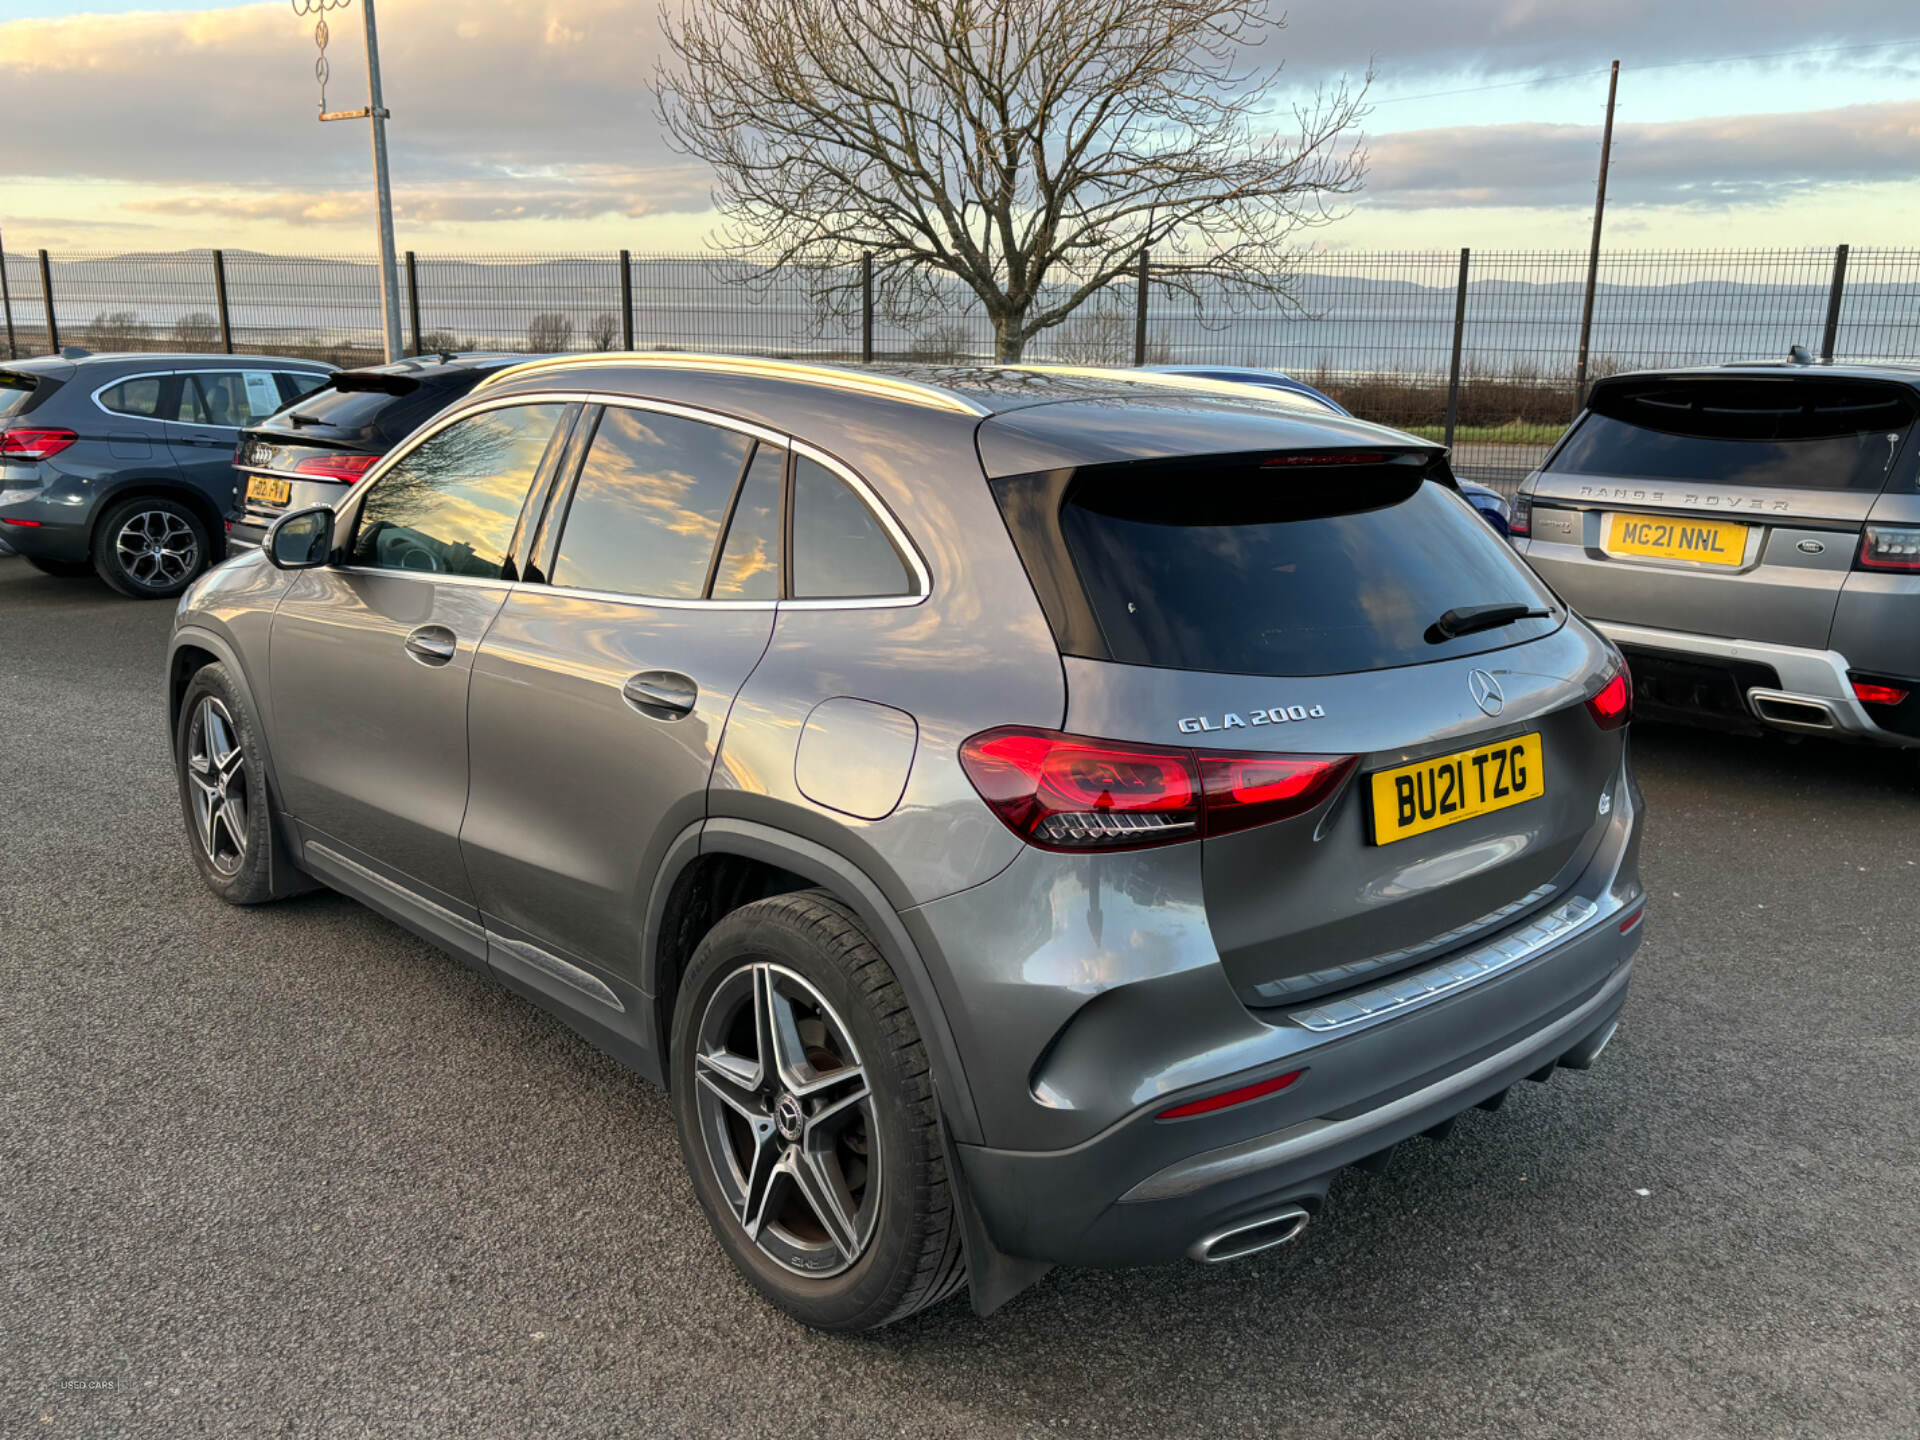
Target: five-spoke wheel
x,y
217,779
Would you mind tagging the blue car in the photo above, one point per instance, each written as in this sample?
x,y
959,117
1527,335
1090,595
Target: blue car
x,y
1490,503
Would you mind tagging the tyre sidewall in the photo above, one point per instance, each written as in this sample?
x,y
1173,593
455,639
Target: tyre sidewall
x,y
868,1293
254,880
106,557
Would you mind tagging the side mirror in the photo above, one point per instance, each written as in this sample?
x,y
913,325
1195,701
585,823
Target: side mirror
x,y
302,540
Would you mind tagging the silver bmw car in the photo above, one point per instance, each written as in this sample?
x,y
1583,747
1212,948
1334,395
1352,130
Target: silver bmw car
x,y
1023,817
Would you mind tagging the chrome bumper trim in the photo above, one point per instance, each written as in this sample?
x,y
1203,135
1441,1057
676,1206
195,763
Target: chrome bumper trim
x,y
1310,1137
1404,992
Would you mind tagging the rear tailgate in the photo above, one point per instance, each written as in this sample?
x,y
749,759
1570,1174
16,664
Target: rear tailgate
x,y
1717,505
1239,606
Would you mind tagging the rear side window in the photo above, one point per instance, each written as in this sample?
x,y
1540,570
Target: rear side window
x,y
451,505
749,566
647,509
840,549
1238,568
139,397
1792,434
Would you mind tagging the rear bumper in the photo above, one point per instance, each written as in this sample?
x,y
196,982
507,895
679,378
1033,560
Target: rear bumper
x,y
1814,695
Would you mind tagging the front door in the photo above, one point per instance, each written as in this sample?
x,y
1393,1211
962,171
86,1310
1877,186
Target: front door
x,y
599,698
370,659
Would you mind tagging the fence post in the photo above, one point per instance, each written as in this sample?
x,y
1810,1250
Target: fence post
x,y
626,300
6,295
413,300
46,295
1839,289
1140,313
866,307
220,301
1459,334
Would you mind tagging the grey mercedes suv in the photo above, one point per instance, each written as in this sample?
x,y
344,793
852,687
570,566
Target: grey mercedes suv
x,y
1749,535
1022,817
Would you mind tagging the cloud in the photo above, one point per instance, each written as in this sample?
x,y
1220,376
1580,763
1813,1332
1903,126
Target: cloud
x,y
1722,161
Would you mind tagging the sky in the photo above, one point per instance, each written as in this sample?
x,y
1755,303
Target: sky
x,y
526,125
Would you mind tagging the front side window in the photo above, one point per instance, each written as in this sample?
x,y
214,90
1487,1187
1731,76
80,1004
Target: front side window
x,y
449,507
840,549
649,504
139,397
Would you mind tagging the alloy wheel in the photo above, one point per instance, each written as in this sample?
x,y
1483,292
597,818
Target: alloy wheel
x,y
217,777
157,548
786,1112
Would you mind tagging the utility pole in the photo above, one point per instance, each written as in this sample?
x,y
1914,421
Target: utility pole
x,y
1593,254
375,112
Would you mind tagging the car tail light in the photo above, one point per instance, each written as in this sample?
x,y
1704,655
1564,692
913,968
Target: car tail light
x,y
22,443
1870,693
1226,1099
1072,792
347,468
1890,547
1612,707
1520,515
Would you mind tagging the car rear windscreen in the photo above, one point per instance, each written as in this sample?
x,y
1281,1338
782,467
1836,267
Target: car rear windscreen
x,y
1240,567
352,408
1771,433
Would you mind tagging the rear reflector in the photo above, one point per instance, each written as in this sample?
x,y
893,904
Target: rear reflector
x,y
1890,547
1632,922
1871,694
1072,792
21,443
1228,1098
1613,706
24,524
346,468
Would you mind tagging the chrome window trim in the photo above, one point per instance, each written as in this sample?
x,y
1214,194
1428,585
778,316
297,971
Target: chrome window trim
x,y
439,577
99,405
349,510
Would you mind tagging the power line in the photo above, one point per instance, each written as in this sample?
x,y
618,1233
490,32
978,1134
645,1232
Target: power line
x,y
1663,65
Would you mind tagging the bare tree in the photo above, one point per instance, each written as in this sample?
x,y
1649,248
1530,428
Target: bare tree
x,y
1105,337
601,332
196,330
1027,150
549,333
117,330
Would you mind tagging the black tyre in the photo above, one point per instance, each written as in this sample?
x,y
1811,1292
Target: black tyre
x,y
150,548
807,1117
232,828
64,569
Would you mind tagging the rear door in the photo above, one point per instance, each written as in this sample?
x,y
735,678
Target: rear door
x,y
1242,610
1718,505
209,412
370,659
599,698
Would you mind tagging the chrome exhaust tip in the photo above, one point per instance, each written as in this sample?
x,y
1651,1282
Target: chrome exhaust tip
x,y
1249,1237
1582,1056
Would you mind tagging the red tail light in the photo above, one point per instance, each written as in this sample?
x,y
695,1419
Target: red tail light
x,y
21,443
1890,547
1070,792
1520,515
337,467
1229,1098
1871,694
1613,706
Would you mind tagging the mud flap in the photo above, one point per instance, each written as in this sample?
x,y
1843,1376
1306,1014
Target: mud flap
x,y
993,1276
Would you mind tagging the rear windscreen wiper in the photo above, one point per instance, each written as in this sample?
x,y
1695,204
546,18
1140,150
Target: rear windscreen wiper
x,y
298,419
1466,619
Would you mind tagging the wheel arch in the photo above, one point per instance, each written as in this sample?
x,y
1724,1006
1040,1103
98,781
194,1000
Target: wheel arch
x,y
190,651
152,485
715,867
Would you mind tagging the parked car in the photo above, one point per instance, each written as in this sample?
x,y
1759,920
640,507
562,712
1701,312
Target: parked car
x,y
1750,536
123,464
1021,818
312,453
1491,504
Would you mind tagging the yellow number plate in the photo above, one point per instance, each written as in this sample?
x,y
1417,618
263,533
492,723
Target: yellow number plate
x,y
1447,789
1705,542
269,491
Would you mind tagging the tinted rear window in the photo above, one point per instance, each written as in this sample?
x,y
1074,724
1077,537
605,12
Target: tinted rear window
x,y
1773,434
1241,569
346,409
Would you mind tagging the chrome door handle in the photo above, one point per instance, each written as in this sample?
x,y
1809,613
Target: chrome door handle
x,y
663,694
432,644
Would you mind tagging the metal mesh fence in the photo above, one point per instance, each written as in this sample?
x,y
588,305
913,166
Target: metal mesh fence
x,y
1375,330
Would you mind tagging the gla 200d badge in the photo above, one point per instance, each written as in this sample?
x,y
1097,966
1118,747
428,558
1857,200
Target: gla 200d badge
x,y
1279,715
